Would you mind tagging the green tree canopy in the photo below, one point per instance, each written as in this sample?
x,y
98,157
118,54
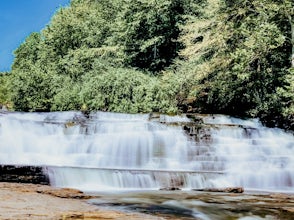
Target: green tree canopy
x,y
242,56
211,56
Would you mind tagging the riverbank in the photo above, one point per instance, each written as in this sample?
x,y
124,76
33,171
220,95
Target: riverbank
x,y
42,202
203,205
39,202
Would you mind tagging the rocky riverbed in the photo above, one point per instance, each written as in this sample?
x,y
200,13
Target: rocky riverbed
x,y
201,205
33,201
30,201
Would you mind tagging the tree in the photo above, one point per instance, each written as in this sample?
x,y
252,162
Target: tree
x,y
84,23
33,88
122,90
147,32
213,56
242,58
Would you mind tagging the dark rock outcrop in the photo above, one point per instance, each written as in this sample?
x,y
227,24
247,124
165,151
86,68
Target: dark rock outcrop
x,y
23,174
224,190
170,189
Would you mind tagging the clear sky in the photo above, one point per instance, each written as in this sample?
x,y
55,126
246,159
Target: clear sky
x,y
19,18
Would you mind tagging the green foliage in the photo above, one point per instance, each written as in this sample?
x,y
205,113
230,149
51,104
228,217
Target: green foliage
x,y
287,101
84,54
67,96
242,58
210,56
4,89
113,89
33,89
122,90
27,52
147,32
288,94
80,61
84,23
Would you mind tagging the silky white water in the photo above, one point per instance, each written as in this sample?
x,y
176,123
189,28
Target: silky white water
x,y
121,151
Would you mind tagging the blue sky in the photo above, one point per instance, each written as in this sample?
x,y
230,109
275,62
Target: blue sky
x,y
19,18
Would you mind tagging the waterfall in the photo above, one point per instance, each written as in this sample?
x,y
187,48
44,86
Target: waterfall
x,y
112,151
255,157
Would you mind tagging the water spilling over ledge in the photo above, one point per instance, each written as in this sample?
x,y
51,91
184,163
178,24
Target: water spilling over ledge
x,y
149,151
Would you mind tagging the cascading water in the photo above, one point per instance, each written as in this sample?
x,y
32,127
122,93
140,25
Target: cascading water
x,y
255,157
121,151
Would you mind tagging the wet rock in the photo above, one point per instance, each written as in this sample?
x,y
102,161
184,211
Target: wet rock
x,y
69,124
170,189
280,196
23,174
224,190
169,181
23,202
64,193
3,108
105,215
154,116
289,209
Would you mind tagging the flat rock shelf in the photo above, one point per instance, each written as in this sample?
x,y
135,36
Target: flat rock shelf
x,y
20,199
41,202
